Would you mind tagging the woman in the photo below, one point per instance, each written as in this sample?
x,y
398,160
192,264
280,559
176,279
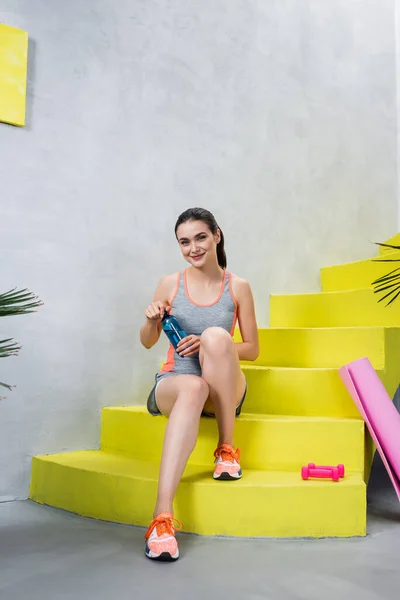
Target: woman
x,y
203,377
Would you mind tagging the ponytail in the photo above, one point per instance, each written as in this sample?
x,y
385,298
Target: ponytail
x,y
221,254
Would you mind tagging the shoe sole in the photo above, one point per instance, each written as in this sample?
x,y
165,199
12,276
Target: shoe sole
x,y
163,557
227,477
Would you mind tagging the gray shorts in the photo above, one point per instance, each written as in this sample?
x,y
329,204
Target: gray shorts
x,y
152,406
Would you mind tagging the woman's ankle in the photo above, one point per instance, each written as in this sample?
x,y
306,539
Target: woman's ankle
x,y
163,507
227,441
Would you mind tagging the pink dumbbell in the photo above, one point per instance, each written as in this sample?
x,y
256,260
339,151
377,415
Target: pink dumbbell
x,y
339,467
333,473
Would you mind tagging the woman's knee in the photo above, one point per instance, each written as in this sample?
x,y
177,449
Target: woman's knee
x,y
195,391
197,386
216,339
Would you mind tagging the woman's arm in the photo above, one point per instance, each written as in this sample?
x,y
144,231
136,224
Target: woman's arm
x,y
151,330
249,348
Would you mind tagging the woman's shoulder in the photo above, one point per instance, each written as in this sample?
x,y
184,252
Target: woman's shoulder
x,y
240,286
168,285
238,280
171,278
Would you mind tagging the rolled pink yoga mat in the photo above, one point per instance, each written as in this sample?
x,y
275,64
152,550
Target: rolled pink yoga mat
x,y
378,412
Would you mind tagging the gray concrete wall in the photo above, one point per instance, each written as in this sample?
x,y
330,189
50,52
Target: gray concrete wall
x,y
278,116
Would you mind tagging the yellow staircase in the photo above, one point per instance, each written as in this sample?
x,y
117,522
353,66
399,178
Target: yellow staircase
x,y
297,411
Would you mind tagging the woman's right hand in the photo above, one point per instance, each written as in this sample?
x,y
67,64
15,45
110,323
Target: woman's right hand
x,y
155,311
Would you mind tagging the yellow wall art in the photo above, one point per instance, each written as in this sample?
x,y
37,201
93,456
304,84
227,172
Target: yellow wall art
x,y
13,73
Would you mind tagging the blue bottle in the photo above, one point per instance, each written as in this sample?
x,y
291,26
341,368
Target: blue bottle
x,y
172,329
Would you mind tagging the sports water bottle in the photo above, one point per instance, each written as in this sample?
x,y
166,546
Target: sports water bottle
x,y
172,329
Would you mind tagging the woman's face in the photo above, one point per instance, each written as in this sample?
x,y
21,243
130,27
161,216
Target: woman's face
x,y
198,245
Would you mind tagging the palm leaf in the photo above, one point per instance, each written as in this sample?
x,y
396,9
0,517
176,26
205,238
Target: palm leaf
x,y
384,287
9,387
9,349
387,277
394,297
392,284
390,281
18,302
15,302
387,246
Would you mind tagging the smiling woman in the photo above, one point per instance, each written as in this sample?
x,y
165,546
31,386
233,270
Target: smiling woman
x,y
200,216
202,377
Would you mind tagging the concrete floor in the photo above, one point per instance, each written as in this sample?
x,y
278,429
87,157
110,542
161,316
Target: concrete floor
x,y
48,554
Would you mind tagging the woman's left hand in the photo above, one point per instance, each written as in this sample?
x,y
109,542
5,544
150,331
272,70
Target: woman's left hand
x,y
189,346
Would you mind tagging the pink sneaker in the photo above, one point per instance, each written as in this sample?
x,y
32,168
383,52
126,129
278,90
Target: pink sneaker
x,y
160,538
227,463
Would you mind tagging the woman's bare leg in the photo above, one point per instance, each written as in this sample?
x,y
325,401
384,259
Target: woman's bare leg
x,y
181,398
221,370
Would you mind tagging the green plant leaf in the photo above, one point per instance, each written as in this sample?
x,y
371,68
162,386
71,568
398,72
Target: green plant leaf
x,y
9,349
15,302
391,293
390,281
394,298
387,277
9,387
387,246
387,287
18,302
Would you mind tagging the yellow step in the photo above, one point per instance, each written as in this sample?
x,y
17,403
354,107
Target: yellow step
x,y
319,347
267,442
266,504
357,275
294,391
333,309
319,391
